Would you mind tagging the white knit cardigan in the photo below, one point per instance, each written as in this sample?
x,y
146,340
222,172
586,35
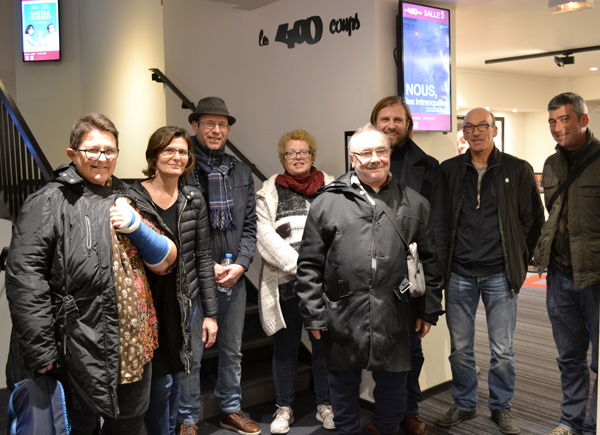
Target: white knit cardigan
x,y
278,257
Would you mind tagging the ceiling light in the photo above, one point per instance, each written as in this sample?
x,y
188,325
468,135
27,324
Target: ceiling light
x,y
556,6
562,61
515,110
594,68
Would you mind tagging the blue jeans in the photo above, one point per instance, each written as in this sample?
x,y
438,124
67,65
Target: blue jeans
x,y
286,343
161,417
389,393
573,314
228,390
462,299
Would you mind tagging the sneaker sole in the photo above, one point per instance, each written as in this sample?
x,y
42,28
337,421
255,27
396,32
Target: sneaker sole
x,y
465,418
233,428
290,422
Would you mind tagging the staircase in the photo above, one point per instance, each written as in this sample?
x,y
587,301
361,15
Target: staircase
x,y
24,169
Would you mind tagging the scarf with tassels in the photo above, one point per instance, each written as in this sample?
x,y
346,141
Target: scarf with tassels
x,y
220,201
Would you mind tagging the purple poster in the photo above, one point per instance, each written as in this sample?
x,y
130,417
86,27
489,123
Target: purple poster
x,y
426,66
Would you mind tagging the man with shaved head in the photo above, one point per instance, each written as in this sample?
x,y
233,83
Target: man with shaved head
x,y
495,218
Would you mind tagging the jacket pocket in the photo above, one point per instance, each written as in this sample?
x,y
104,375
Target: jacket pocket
x,y
338,317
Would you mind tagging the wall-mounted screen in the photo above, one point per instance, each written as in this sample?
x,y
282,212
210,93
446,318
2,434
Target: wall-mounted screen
x,y
40,29
424,68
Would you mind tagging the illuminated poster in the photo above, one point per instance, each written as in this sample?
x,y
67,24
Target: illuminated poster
x,y
40,29
425,68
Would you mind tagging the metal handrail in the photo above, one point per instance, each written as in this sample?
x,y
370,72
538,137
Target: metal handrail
x,y
159,77
23,166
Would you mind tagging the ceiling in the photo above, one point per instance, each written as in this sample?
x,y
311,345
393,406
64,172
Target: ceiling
x,y
493,29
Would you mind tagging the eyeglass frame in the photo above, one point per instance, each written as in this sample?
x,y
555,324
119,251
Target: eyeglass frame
x,y
373,152
168,150
296,154
221,125
101,152
471,128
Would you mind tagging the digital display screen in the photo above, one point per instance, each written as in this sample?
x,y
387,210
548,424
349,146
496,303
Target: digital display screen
x,y
424,72
40,29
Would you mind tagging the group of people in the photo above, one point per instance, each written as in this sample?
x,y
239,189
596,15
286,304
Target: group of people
x,y
116,290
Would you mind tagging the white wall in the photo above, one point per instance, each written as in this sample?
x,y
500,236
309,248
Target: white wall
x,y
108,47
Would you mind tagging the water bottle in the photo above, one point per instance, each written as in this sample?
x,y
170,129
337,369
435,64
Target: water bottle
x,y
226,262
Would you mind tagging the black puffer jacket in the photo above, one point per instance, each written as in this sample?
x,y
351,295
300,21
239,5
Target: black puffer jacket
x,y
61,255
368,324
195,271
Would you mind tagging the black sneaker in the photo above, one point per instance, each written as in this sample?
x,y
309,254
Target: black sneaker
x,y
505,421
454,416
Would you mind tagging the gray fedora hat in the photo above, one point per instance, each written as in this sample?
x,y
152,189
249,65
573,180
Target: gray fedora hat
x,y
211,106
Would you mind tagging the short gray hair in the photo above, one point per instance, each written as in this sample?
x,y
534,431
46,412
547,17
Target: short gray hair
x,y
364,129
571,98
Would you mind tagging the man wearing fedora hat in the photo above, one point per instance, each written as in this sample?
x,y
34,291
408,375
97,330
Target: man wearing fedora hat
x,y
228,188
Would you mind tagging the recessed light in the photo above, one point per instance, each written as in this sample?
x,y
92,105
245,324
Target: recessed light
x,y
515,110
594,68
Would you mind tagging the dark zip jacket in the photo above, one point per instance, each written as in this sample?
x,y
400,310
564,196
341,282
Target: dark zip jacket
x,y
367,318
520,211
60,264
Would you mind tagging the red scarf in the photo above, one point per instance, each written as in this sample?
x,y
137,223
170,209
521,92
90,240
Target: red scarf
x,y
305,186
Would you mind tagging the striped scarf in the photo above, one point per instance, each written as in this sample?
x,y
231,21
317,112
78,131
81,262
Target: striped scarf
x,y
220,201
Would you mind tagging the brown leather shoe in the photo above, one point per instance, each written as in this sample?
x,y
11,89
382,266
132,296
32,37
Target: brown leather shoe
x,y
370,429
188,429
413,425
239,422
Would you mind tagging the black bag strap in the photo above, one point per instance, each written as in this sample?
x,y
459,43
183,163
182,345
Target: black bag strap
x,y
572,176
391,216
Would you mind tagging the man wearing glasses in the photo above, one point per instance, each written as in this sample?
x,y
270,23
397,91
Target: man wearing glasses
x,y
352,286
495,218
228,188
419,171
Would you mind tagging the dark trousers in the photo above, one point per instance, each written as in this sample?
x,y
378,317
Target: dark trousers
x,y
133,400
389,395
414,395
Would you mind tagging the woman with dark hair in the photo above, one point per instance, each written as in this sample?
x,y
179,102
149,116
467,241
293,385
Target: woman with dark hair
x,y
281,208
183,215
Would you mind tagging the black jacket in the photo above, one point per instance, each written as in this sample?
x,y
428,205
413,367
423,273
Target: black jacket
x,y
421,172
195,277
61,255
367,320
520,211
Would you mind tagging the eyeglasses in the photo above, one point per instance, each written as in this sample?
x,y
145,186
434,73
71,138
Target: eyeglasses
x,y
368,154
170,152
94,153
209,125
480,127
304,154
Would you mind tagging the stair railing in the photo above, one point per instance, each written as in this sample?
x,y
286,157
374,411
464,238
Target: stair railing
x,y
159,77
23,166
